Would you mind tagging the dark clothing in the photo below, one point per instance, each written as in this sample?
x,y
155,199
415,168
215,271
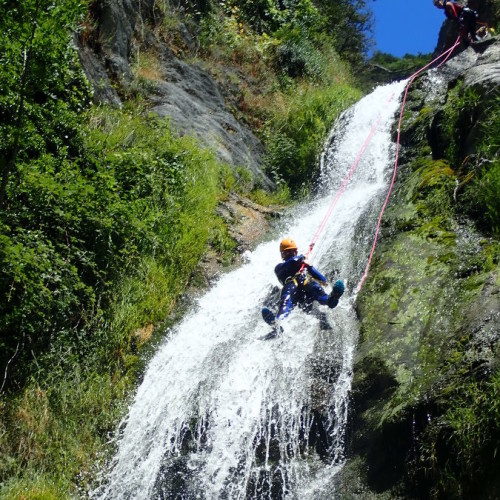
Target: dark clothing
x,y
466,19
300,287
452,10
467,25
291,267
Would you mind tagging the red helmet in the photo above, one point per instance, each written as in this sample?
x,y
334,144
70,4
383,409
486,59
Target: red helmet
x,y
287,244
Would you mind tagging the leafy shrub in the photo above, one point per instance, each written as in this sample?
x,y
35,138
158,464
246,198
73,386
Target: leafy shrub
x,y
488,153
472,123
403,64
93,248
298,59
294,137
74,227
281,161
474,417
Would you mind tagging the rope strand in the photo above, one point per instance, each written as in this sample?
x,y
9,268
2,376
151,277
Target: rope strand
x,y
377,230
447,53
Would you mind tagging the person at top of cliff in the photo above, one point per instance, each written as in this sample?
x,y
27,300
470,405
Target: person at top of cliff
x,y
464,16
301,284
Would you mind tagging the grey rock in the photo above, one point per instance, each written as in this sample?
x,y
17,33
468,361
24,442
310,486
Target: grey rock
x,y
486,72
104,92
482,321
193,102
117,22
186,93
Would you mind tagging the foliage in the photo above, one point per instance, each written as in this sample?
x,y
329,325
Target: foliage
x,y
488,188
44,90
102,246
479,171
474,418
74,227
296,135
458,450
299,59
103,223
384,68
400,64
280,197
349,23
54,430
41,80
105,214
301,83
487,185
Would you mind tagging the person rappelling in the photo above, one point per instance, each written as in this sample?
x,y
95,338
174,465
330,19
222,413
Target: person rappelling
x,y
464,16
301,284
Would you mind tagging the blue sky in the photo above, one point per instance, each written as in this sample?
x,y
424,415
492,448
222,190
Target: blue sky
x,y
405,27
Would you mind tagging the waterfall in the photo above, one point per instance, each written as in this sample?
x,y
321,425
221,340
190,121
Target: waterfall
x,y
222,413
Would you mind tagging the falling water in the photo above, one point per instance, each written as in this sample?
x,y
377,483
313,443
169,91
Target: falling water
x,y
222,413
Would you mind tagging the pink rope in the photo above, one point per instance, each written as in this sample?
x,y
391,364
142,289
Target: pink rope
x,y
346,180
410,81
450,51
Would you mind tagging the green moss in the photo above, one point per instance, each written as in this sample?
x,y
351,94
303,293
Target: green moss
x,y
474,283
427,284
395,303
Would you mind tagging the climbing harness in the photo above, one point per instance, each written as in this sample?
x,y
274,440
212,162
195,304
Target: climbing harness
x,y
446,54
300,279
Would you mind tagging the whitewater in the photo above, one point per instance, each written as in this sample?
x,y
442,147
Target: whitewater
x,y
222,413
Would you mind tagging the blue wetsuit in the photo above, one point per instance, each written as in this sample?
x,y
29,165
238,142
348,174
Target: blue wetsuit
x,y
300,288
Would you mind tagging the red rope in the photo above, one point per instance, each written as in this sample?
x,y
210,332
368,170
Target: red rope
x,y
346,180
410,81
450,51
355,164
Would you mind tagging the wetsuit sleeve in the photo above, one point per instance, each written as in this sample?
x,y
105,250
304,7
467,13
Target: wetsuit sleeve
x,y
279,272
316,274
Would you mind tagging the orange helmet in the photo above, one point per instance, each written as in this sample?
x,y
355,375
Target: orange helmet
x,y
287,244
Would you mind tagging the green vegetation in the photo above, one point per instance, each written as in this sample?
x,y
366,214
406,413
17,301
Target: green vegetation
x,y
479,172
295,137
429,354
105,214
383,68
486,165
102,247
468,392
296,83
474,418
406,64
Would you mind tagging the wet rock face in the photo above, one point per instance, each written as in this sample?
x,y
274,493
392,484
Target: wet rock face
x,y
428,358
184,93
481,326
